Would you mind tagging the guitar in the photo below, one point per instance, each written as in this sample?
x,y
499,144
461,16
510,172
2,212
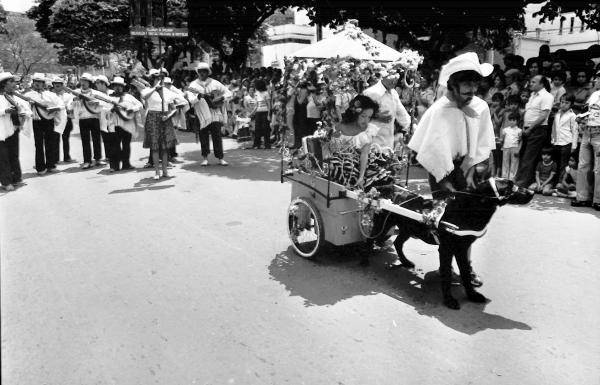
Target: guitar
x,y
215,99
44,110
124,112
17,115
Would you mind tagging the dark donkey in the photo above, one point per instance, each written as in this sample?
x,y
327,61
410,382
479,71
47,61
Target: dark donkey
x,y
465,219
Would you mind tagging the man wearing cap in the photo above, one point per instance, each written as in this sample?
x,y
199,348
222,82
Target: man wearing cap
x,y
455,137
67,98
123,129
46,132
15,115
86,116
390,108
211,118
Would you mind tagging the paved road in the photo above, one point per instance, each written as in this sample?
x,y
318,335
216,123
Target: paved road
x,y
116,279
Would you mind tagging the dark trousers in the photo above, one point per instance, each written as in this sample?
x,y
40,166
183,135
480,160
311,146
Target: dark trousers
x,y
10,168
46,144
90,128
561,156
123,146
261,129
529,156
65,140
107,140
112,149
214,130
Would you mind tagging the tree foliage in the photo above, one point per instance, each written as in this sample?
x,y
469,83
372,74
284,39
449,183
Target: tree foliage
x,y
589,13
22,48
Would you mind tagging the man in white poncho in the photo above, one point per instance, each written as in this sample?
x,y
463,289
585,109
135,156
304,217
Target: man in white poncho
x,y
455,136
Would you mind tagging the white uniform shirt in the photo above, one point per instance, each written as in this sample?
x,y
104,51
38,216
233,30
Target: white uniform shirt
x,y
205,114
51,99
389,102
80,111
539,103
7,127
114,120
68,99
565,129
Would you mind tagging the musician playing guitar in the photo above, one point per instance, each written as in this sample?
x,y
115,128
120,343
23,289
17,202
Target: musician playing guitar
x,y
206,96
49,121
14,114
86,116
123,128
58,87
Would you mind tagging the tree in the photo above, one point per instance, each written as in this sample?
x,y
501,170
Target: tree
x,y
23,47
230,26
435,28
86,29
589,13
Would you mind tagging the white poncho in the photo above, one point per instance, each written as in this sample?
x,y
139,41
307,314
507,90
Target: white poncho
x,y
446,133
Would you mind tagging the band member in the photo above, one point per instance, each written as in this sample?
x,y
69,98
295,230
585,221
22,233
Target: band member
x,y
207,98
123,128
109,138
15,115
455,137
49,121
86,115
159,132
58,85
179,120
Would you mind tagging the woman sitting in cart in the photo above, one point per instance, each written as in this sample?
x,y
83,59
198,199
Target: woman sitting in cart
x,y
353,162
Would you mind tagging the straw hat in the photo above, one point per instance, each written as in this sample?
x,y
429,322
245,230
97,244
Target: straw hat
x,y
38,77
466,62
118,81
201,66
167,80
6,75
103,79
58,79
88,77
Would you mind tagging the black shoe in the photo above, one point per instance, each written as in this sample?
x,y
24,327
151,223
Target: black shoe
x,y
576,203
596,206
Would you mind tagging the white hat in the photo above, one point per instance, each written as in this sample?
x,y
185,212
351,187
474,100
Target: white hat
x,y
168,80
465,62
117,80
6,75
38,77
153,72
201,66
102,78
164,70
58,79
88,77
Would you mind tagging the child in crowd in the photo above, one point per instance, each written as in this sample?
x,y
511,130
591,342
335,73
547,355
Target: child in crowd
x,y
511,144
566,187
497,113
524,96
512,106
565,132
544,173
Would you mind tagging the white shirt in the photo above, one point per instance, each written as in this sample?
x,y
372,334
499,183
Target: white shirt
x,y
115,120
312,111
50,98
261,99
389,102
512,137
565,129
539,103
79,109
157,103
205,114
594,109
68,99
7,128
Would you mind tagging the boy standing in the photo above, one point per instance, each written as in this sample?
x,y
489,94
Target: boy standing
x,y
511,144
565,131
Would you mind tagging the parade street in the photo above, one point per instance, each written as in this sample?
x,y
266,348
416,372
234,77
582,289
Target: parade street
x,y
120,279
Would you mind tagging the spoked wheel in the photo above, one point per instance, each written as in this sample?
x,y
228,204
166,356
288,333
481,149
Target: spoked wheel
x,y
305,228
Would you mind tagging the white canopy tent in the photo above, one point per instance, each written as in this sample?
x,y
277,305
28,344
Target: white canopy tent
x,y
349,42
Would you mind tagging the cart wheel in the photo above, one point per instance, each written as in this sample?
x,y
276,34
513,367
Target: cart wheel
x,y
305,228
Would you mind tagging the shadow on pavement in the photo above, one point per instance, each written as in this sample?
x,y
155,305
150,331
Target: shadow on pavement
x,y
243,164
144,185
337,276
